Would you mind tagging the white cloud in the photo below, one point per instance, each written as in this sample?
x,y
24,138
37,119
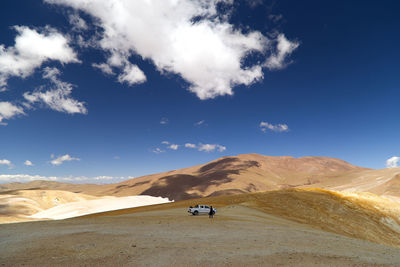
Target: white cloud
x,y
199,123
8,111
211,147
31,50
9,178
6,162
58,97
77,22
265,126
199,147
169,145
190,145
208,52
28,163
158,150
58,161
284,48
393,162
131,74
105,68
164,121
173,146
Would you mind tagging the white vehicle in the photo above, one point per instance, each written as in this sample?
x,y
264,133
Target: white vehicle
x,y
200,209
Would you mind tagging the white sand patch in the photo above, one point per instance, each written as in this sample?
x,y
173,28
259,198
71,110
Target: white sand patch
x,y
85,207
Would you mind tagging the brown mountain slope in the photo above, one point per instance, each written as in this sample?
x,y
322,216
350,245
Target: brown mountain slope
x,y
235,174
241,174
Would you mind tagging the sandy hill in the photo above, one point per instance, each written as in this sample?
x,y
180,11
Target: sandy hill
x,y
243,174
28,205
17,205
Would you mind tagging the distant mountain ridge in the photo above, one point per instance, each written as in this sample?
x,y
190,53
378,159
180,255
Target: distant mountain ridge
x,y
241,174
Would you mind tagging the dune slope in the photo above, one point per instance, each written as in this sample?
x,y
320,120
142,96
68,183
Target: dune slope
x,y
27,205
75,209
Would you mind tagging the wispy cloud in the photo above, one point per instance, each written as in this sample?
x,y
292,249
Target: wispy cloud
x,y
131,74
77,22
278,60
190,145
265,126
254,3
164,121
105,68
211,147
200,123
393,162
8,111
173,146
28,163
9,178
275,18
200,147
170,145
157,150
6,162
58,97
60,160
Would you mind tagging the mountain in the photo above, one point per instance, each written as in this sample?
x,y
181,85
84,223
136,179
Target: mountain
x,y
235,174
242,174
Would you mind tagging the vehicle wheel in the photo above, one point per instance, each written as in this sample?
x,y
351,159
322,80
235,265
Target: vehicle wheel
x,y
195,213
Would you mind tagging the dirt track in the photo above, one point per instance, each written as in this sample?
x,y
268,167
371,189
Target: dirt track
x,y
237,236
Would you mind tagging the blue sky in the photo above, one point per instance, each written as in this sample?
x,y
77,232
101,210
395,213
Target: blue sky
x,y
91,92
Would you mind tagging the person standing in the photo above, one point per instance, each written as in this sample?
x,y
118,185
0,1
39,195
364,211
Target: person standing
x,y
211,213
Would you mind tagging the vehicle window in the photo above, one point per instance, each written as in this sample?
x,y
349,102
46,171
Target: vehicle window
x,y
196,206
201,207
207,207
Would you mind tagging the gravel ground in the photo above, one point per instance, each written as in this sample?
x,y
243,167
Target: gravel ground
x,y
237,236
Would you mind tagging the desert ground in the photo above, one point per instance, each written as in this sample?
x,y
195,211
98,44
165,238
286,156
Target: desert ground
x,y
244,232
272,211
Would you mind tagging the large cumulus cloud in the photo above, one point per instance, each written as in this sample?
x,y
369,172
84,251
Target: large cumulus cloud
x,y
185,37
